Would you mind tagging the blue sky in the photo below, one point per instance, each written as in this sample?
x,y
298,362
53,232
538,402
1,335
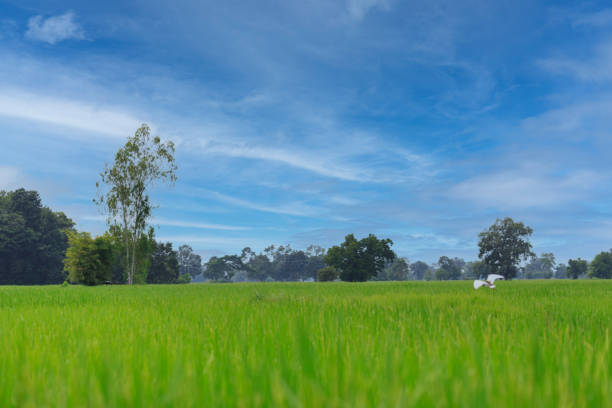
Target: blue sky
x,y
300,122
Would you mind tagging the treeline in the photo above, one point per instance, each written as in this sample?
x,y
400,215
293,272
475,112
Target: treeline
x,y
39,246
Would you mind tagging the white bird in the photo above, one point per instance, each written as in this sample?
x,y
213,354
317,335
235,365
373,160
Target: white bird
x,y
489,282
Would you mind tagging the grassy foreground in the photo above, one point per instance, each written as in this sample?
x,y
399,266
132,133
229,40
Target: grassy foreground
x,y
537,343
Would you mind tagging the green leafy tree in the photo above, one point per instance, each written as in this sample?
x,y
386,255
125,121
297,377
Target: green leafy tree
x,y
360,260
601,266
164,267
88,261
33,240
450,269
327,274
143,161
504,245
223,268
576,268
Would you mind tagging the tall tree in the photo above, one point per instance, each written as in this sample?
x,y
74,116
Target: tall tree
x,y
143,161
360,260
576,268
504,245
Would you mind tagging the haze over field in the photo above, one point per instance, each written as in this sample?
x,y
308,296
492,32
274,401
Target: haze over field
x,y
300,122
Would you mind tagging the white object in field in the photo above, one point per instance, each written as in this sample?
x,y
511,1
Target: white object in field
x,y
479,283
491,278
490,282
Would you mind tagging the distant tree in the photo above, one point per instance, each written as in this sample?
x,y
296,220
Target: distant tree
x,y
504,245
418,270
260,267
561,272
601,266
327,274
164,267
443,274
360,260
33,240
88,261
396,270
576,268
430,274
223,268
449,268
540,267
189,262
140,163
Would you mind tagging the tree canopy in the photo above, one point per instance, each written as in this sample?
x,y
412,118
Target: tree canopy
x,y
33,240
504,245
361,260
601,266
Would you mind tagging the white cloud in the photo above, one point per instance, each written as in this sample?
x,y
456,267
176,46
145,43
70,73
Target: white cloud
x,y
54,29
68,113
596,68
524,188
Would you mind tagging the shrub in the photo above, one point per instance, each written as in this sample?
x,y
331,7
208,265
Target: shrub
x,y
327,274
184,278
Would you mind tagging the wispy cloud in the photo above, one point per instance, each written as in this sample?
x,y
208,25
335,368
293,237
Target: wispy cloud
x,y
526,187
175,223
295,209
597,68
357,9
54,29
79,115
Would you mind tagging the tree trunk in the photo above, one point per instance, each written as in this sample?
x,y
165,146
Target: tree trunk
x,y
127,250
133,260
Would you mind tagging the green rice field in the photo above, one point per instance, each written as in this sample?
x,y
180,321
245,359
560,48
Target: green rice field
x,y
395,344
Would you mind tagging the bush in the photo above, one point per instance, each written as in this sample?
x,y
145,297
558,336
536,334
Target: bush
x,y
327,274
184,278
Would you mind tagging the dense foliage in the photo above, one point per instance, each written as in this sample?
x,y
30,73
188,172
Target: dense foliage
x,y
601,266
33,240
576,268
504,245
164,266
89,261
359,261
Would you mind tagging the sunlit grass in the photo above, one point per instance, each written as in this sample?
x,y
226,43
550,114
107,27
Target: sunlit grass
x,y
537,343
